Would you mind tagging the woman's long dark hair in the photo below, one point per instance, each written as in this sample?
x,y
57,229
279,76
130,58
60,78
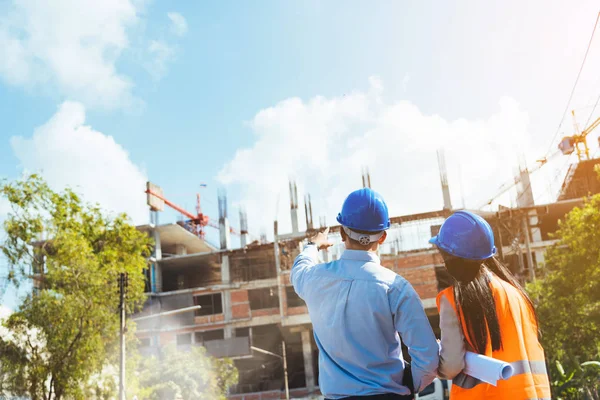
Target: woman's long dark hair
x,y
474,298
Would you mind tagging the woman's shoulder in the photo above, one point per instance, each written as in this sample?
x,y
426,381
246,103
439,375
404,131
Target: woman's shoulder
x,y
448,293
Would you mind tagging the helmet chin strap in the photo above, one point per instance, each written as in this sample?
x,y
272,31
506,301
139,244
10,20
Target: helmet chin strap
x,y
362,238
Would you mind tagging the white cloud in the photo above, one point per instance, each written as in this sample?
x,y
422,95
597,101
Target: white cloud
x,y
4,207
179,24
4,312
161,53
324,143
71,46
69,153
405,81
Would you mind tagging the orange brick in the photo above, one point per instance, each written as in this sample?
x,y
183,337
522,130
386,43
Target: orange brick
x,y
239,296
209,319
265,311
241,310
297,310
166,337
270,395
427,291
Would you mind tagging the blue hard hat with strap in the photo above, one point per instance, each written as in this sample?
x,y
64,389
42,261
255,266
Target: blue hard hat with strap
x,y
466,235
364,210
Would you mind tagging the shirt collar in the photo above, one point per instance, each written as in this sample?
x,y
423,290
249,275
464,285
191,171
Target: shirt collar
x,y
360,255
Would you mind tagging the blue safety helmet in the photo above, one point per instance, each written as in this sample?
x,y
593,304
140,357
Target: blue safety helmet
x,y
364,210
466,235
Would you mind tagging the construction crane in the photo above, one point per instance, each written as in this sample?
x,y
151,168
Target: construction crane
x,y
198,221
578,141
512,183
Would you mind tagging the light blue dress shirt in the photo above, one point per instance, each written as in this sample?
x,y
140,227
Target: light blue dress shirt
x,y
360,311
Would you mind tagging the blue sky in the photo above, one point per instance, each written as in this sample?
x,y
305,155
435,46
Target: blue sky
x,y
243,95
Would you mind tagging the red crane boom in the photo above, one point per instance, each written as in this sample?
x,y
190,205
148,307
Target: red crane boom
x,y
201,220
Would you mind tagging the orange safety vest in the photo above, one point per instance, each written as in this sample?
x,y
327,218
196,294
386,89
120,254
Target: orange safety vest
x,y
520,347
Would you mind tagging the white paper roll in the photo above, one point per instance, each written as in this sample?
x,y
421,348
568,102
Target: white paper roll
x,y
487,369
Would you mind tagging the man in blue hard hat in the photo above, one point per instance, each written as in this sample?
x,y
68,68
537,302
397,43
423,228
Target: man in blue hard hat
x,y
361,311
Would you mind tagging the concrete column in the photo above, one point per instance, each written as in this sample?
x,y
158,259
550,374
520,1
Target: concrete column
x,y
226,297
224,233
156,273
309,371
244,239
536,236
225,276
278,269
294,214
294,206
243,229
325,255
180,250
526,232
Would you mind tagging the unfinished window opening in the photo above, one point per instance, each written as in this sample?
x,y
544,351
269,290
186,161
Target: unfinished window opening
x,y
253,265
293,300
145,342
295,360
148,280
180,281
242,332
208,336
210,304
267,337
184,338
263,298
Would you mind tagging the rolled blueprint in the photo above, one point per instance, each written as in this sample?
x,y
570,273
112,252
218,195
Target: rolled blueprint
x,y
487,369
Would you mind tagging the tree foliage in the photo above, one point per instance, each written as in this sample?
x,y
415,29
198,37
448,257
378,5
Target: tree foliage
x,y
568,303
66,331
186,375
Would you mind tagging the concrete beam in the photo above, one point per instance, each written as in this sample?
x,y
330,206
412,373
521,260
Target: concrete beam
x,y
307,354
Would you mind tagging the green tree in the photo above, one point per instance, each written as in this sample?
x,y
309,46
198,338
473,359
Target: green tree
x,y
568,303
65,332
186,375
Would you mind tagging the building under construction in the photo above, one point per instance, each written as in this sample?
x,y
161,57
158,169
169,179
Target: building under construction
x,y
251,313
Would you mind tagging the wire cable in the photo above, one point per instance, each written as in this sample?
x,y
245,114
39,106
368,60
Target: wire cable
x,y
574,86
587,123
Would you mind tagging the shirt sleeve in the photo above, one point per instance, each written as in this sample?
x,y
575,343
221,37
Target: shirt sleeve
x,y
452,346
415,331
305,261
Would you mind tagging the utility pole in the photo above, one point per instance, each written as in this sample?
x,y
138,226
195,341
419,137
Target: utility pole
x,y
282,357
285,372
528,248
122,289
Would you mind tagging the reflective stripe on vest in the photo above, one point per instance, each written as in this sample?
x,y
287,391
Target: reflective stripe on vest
x,y
520,367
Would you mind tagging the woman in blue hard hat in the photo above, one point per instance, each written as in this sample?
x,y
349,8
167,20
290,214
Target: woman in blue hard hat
x,y
361,310
487,312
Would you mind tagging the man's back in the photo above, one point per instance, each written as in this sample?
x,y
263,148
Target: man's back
x,y
357,308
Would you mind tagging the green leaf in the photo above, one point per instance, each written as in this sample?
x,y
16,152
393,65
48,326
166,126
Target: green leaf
x,y
591,363
560,369
67,333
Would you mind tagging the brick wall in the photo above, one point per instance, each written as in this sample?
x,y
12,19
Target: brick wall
x,y
418,269
239,296
265,311
297,310
166,337
209,319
